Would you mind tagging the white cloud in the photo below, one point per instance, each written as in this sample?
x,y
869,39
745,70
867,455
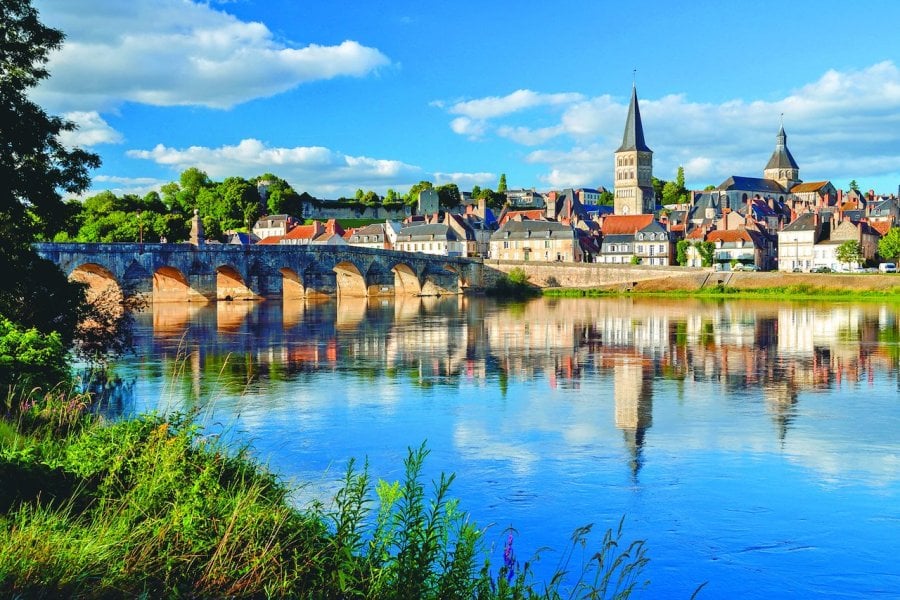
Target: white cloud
x,y
844,125
317,170
476,113
465,181
468,127
496,106
92,130
174,52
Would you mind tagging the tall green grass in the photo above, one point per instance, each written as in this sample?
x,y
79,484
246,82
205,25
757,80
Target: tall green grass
x,y
152,507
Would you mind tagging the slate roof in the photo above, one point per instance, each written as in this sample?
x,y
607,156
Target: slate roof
x,y
781,157
804,222
752,184
521,230
427,233
633,138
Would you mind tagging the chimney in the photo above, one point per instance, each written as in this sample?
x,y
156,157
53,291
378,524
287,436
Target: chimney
x,y
840,197
482,207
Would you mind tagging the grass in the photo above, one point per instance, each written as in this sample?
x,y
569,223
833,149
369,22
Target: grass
x,y
792,292
152,507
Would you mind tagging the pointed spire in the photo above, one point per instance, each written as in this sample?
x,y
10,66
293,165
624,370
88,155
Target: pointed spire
x,y
781,157
633,138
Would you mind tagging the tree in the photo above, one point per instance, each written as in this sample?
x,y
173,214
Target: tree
x,y
391,197
707,251
607,198
34,168
854,186
889,245
671,194
679,178
849,253
501,186
681,249
449,196
658,185
412,196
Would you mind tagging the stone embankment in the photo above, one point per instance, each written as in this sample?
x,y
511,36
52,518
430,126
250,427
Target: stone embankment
x,y
640,278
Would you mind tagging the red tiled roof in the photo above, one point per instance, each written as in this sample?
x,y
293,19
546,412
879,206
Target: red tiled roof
x,y
811,186
304,232
624,224
728,235
532,215
882,227
272,239
696,234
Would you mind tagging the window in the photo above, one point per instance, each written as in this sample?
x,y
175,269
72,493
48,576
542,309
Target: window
x,y
662,248
640,248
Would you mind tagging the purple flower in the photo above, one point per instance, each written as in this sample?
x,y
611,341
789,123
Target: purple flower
x,y
509,558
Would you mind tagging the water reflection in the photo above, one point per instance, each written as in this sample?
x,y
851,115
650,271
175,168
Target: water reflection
x,y
780,350
712,424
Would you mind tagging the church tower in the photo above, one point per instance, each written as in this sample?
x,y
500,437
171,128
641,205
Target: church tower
x,y
634,167
782,167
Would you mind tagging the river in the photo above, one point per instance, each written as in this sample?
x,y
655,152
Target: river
x,y
753,445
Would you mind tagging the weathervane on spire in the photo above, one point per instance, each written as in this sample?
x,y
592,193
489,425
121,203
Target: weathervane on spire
x,y
633,77
782,120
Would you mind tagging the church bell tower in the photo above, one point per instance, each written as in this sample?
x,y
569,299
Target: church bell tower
x,y
634,193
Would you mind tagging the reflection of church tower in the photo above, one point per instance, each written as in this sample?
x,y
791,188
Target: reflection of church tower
x,y
634,167
781,399
782,167
634,408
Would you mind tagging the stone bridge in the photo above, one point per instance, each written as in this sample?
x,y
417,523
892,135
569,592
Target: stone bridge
x,y
209,272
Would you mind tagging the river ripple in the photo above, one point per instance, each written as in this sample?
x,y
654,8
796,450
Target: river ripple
x,y
753,445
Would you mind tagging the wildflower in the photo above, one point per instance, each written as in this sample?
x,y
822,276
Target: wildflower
x,y
509,558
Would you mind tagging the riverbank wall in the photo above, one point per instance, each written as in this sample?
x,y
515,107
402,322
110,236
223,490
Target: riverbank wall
x,y
639,278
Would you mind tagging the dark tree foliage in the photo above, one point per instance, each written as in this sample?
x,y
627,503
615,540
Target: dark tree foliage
x,y
449,196
34,169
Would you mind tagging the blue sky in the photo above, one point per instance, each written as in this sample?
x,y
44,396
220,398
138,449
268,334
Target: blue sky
x,y
339,95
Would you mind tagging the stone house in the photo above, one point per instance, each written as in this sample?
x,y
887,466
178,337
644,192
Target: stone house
x,y
536,240
430,238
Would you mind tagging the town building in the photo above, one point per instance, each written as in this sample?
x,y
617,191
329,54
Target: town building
x,y
536,240
273,225
430,238
634,194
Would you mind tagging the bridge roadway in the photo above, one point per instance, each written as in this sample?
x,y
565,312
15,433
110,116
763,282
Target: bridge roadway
x,y
209,272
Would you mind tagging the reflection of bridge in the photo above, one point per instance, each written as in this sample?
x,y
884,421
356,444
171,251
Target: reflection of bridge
x,y
178,272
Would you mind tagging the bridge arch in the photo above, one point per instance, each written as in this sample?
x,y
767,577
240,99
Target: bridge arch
x,y
350,281
460,273
99,279
170,285
406,281
230,285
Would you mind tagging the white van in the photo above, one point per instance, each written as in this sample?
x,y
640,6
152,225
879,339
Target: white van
x,y
887,267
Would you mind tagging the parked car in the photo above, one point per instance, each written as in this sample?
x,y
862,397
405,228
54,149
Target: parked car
x,y
887,267
821,270
749,268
